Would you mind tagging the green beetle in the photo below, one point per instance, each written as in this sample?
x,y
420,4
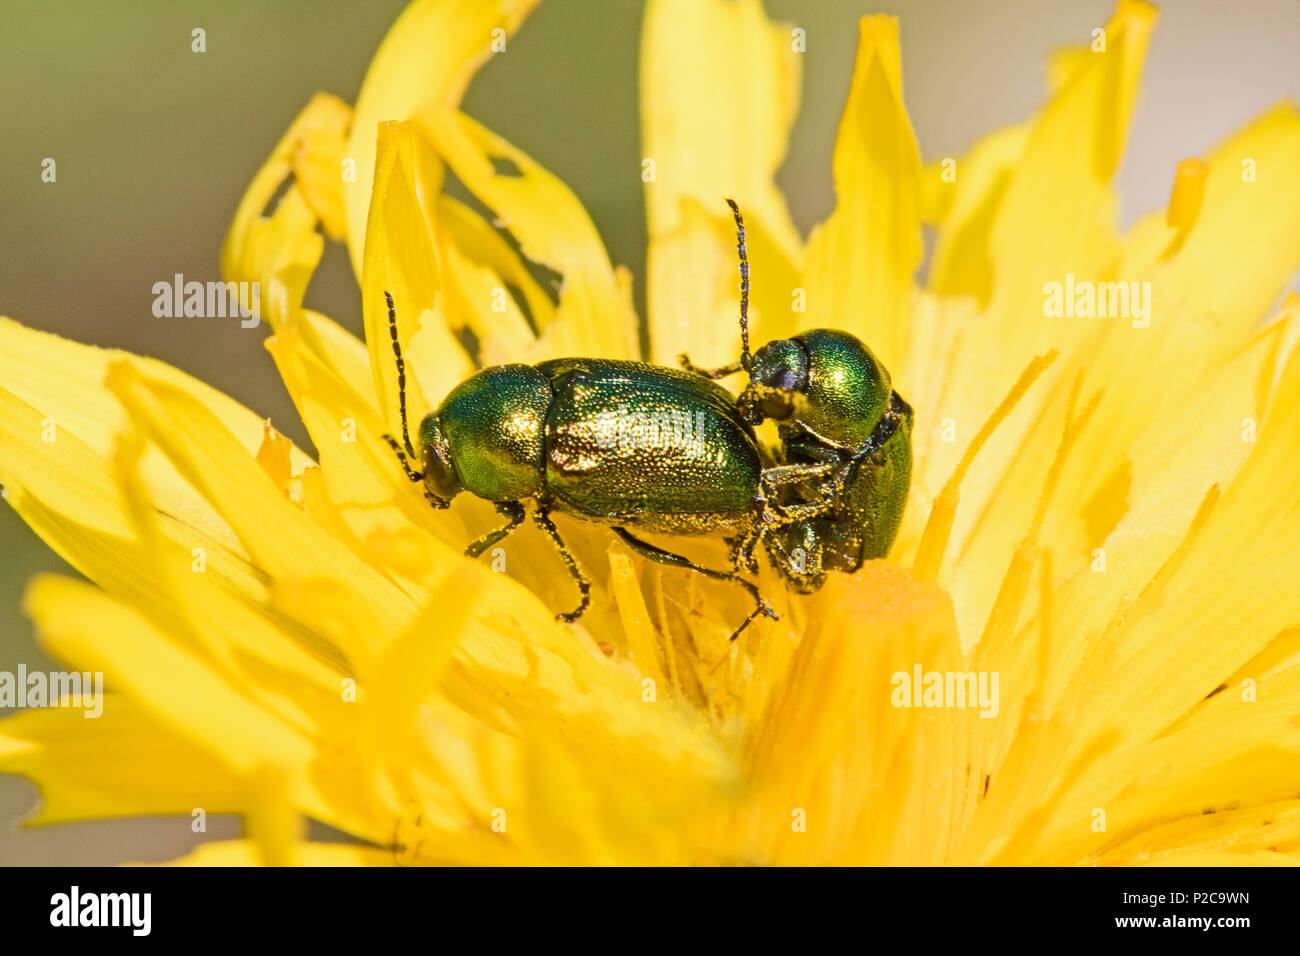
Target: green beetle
x,y
625,444
834,405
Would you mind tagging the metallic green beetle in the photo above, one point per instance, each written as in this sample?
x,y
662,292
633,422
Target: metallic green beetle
x,y
626,444
834,405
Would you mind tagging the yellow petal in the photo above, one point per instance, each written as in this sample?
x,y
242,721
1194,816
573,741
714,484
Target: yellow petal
x,y
1077,139
281,251
866,779
478,264
1246,831
1243,245
65,487
427,60
342,352
171,683
1168,426
1186,621
860,261
122,763
400,259
693,296
283,540
595,315
966,199
290,673
719,93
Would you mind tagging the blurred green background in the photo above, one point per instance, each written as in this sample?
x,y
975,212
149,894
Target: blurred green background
x,y
155,145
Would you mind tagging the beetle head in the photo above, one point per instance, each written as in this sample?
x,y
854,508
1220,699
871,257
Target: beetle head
x,y
825,379
777,373
439,470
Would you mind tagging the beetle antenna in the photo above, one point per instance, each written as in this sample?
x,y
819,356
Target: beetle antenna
x,y
401,376
745,359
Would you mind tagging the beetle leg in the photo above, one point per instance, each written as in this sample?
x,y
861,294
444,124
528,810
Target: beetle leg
x,y
782,475
831,445
785,475
801,512
648,550
543,521
772,515
722,372
512,509
741,553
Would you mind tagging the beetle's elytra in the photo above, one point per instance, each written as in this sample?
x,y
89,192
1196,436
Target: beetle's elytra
x,y
668,451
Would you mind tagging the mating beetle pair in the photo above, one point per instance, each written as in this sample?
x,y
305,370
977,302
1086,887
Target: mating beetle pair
x,y
639,446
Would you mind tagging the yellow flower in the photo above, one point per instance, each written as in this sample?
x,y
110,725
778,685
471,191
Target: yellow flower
x,y
1100,519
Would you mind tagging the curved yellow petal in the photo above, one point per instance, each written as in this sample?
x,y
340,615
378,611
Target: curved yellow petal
x,y
342,352
595,315
860,261
478,265
281,251
59,427
719,93
427,59
1242,246
290,673
1249,831
401,259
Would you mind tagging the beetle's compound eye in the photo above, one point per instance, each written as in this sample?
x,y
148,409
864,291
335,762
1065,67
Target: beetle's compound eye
x,y
779,370
439,470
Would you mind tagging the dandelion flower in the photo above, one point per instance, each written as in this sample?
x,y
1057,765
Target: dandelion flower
x,y
1100,518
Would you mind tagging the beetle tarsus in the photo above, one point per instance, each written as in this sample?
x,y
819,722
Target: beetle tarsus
x,y
765,608
543,520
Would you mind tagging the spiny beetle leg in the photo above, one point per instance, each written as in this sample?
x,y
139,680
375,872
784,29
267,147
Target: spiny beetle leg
x,y
740,548
831,447
514,510
783,476
543,520
648,550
